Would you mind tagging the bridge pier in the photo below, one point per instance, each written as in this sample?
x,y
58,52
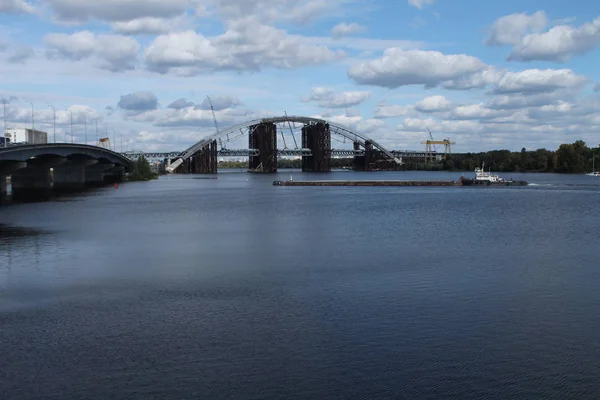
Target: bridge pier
x,y
6,167
317,138
263,137
114,174
34,181
205,160
70,176
94,174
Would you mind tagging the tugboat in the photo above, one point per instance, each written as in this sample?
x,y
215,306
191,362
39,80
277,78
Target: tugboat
x,y
487,178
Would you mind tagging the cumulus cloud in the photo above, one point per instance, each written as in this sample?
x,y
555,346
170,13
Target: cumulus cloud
x,y
433,104
345,29
219,103
510,29
420,3
181,103
270,11
195,117
536,80
147,26
81,11
113,52
16,7
246,45
138,102
328,98
400,67
560,43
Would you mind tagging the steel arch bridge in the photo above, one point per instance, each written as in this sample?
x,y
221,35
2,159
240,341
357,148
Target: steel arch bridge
x,y
239,130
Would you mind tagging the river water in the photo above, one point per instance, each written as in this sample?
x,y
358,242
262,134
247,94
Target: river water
x,y
232,288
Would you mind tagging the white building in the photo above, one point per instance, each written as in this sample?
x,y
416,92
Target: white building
x,y
26,136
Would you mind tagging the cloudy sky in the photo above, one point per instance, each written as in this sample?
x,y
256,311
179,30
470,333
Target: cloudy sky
x,y
486,74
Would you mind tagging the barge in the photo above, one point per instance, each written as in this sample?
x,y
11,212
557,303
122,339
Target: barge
x,y
481,178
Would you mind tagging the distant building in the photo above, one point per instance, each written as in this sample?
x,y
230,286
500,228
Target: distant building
x,y
26,136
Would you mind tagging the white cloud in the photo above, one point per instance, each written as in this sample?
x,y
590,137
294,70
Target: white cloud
x,y
81,11
560,43
510,29
345,29
114,52
16,7
246,45
536,81
138,102
328,98
384,110
147,26
433,104
398,68
420,3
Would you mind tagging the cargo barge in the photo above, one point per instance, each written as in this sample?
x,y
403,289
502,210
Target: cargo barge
x,y
481,178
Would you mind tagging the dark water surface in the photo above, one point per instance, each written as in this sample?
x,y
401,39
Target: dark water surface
x,y
232,288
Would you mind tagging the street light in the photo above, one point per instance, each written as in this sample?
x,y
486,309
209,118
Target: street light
x,y
4,101
85,128
32,114
54,109
71,112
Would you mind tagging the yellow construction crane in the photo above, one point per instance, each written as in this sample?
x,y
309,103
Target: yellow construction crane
x,y
105,142
428,143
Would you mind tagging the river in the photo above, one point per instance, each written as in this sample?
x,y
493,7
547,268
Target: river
x,y
232,288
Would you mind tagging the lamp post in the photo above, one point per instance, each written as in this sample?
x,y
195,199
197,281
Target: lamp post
x,y
71,112
85,128
4,134
115,141
54,109
32,113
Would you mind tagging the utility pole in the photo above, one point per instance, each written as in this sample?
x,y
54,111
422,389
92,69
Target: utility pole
x,y
32,113
4,134
54,109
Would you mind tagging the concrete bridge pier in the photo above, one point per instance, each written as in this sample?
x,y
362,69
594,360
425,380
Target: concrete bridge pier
x,y
6,168
94,174
34,182
70,176
114,175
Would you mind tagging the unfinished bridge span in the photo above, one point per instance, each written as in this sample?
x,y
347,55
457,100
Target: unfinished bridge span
x,y
314,147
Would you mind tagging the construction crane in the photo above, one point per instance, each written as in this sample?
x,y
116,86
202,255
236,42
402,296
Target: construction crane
x,y
215,120
431,142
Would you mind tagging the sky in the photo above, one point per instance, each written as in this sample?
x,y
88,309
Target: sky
x,y
487,75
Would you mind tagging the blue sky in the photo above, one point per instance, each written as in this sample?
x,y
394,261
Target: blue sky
x,y
488,75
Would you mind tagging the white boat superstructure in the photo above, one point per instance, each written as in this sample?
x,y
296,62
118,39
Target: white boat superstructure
x,y
482,176
594,172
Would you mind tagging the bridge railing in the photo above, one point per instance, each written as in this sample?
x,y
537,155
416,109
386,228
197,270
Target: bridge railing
x,y
280,152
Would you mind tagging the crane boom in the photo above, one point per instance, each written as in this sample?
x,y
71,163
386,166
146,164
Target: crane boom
x,y
215,120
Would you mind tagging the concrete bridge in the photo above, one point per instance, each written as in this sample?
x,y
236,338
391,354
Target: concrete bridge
x,y
37,170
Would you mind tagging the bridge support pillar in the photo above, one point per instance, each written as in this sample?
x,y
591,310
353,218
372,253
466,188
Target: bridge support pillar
x,y
31,183
114,175
263,137
359,161
94,174
317,138
34,182
6,167
70,177
205,160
